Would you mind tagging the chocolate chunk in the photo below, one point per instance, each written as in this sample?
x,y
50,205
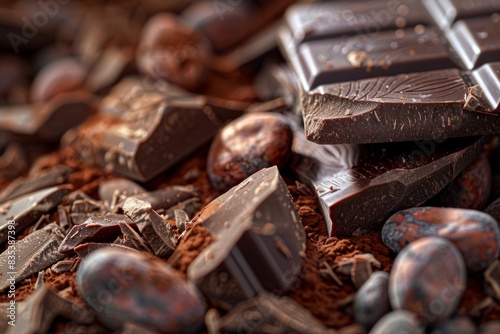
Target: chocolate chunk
x,y
12,161
152,136
47,121
475,40
449,11
35,252
260,241
438,104
29,208
385,178
116,191
95,229
169,198
64,266
157,232
338,18
36,181
130,238
43,307
267,313
85,249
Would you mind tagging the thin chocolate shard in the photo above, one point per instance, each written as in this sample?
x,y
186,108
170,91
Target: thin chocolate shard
x,y
165,199
428,105
445,12
46,122
35,252
267,313
54,176
43,306
63,266
95,229
85,249
116,191
309,22
360,186
157,232
85,208
29,208
260,241
153,134
132,239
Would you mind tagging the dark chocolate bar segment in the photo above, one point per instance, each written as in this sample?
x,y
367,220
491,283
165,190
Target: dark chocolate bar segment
x,y
445,12
427,105
151,135
330,19
360,186
404,50
476,41
260,241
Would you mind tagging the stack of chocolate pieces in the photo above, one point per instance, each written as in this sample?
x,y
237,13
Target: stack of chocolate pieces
x,y
250,166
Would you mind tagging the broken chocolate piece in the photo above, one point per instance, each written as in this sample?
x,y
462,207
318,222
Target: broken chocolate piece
x,y
267,313
384,178
131,238
151,136
260,241
35,252
95,229
157,232
428,105
84,250
54,176
29,208
43,307
12,161
166,200
116,191
48,121
64,266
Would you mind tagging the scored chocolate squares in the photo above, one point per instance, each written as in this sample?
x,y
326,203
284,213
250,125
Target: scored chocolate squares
x,y
259,244
150,130
408,76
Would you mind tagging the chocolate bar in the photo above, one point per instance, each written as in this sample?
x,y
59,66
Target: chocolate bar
x,y
260,241
151,136
360,186
405,80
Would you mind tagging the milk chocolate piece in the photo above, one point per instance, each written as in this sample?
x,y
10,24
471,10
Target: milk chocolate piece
x,y
35,252
260,241
360,186
43,306
36,181
153,135
46,121
157,232
428,105
445,12
268,313
29,208
315,21
95,229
